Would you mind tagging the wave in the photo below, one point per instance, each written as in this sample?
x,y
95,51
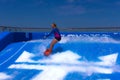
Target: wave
x,y
88,38
102,38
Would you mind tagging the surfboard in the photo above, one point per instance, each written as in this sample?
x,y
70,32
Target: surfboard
x,y
47,52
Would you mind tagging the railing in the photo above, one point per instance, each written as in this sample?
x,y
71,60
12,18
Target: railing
x,y
84,29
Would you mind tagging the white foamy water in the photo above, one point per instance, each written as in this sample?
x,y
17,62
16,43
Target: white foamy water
x,y
60,64
4,76
88,38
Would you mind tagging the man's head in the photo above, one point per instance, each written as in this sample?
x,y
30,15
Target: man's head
x,y
53,25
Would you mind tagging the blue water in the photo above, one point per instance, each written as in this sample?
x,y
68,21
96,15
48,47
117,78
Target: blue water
x,y
75,57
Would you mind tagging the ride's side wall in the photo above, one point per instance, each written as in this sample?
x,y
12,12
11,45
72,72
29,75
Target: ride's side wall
x,y
9,37
5,39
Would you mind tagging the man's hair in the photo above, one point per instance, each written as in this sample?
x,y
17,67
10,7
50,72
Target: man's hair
x,y
54,24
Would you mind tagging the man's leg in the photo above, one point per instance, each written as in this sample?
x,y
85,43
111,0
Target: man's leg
x,y
54,41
